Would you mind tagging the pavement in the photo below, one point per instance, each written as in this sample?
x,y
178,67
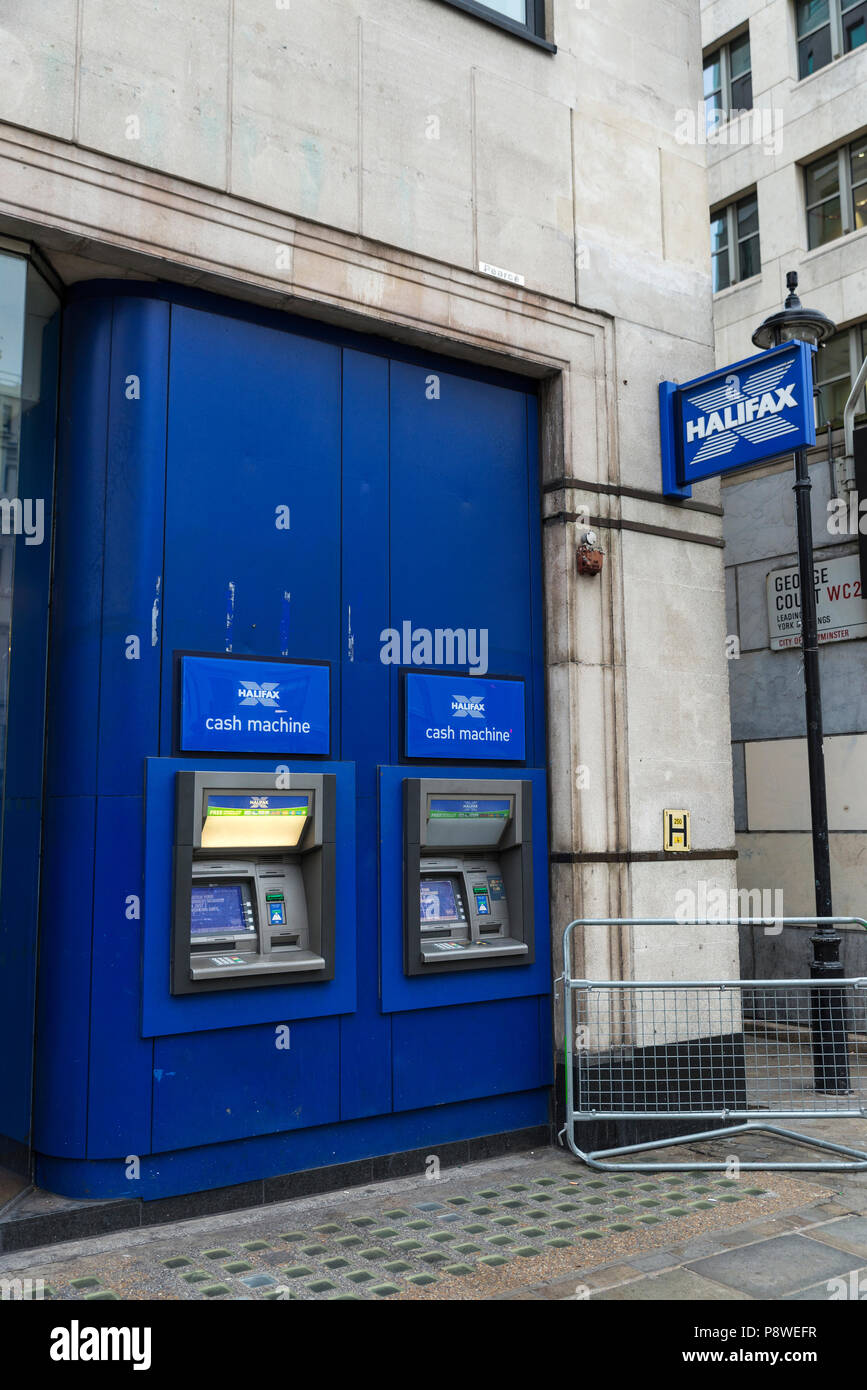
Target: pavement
x,y
536,1225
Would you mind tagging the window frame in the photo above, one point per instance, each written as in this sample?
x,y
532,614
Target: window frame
x,y
534,31
835,25
732,247
723,52
845,192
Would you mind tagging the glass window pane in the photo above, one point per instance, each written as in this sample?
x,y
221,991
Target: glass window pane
x,y
712,79
748,216
811,13
823,178
739,54
858,159
712,110
718,233
832,399
832,360
512,9
854,34
742,93
721,277
824,223
859,200
749,258
815,52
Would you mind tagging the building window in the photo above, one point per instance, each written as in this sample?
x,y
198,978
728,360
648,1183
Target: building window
x,y
734,242
827,29
728,80
525,17
836,193
837,365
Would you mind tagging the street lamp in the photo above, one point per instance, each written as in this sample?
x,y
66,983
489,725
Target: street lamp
x,y
794,323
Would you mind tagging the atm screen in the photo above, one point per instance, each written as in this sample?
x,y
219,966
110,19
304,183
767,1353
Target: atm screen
x,y
217,909
438,902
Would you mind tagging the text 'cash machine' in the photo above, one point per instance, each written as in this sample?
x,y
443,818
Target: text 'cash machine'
x,y
254,881
468,874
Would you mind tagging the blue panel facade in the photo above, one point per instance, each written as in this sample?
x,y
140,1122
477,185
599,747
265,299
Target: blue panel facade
x,y
232,481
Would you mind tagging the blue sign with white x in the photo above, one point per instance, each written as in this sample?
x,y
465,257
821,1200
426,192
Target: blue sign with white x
x,y
736,417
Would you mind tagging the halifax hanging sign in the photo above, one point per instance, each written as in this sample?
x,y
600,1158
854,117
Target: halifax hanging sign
x,y
736,417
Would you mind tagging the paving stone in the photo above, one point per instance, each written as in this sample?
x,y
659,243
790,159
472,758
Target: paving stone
x,y
256,1245
103,1296
384,1290
349,1242
493,1260
321,1286
176,1262
372,1253
214,1290
361,1276
85,1282
237,1266
382,1232
397,1213
839,1288
849,1234
418,1225
292,1235
313,1249
196,1276
467,1248
218,1254
421,1279
428,1206
259,1281
434,1257
525,1251
296,1272
336,1262
458,1269
680,1285
329,1229
778,1266
407,1245
397,1266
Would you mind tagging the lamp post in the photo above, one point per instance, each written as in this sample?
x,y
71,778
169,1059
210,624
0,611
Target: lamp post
x,y
830,1057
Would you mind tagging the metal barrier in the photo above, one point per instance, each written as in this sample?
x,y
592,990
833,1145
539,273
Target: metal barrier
x,y
732,1050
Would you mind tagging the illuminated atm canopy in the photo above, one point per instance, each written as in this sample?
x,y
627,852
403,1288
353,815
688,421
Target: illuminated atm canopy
x,y
275,821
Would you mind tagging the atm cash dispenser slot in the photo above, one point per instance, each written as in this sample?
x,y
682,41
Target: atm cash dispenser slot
x,y
468,874
254,881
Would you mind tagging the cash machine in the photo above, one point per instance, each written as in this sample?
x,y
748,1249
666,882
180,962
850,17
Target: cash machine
x,y
253,880
468,874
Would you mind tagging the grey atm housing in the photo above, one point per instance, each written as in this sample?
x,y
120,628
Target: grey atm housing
x,y
298,950
469,854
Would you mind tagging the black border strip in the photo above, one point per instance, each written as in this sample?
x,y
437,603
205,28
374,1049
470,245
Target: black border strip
x,y
511,26
639,493
628,856
605,523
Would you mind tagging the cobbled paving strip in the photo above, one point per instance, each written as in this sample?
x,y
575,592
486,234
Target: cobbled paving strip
x,y
460,1237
